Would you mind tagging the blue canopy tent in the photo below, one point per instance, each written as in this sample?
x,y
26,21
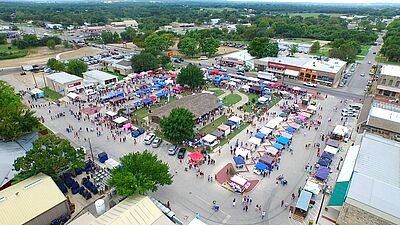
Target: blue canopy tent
x,y
324,162
155,87
262,86
267,93
304,200
146,90
221,104
155,80
327,155
260,135
290,129
261,166
226,78
231,124
282,140
287,135
277,146
147,101
162,83
140,92
138,103
110,96
218,79
161,94
120,94
322,173
239,160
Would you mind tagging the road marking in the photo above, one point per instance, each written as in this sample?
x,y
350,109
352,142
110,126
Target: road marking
x,y
226,219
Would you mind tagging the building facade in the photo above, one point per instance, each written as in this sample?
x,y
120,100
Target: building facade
x,y
389,82
64,83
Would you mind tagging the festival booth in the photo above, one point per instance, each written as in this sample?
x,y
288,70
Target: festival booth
x,y
111,96
312,186
296,126
225,128
162,94
302,206
282,140
245,88
120,121
311,109
177,89
333,143
195,157
340,132
260,168
326,162
242,152
236,120
267,159
265,130
73,96
277,146
256,90
210,140
111,163
274,123
232,83
331,150
327,155
111,114
255,141
219,134
147,102
271,151
128,127
287,135
239,183
290,130
37,93
263,100
239,162
260,135
322,173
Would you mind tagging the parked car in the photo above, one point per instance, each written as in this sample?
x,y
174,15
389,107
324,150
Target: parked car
x,y
156,143
203,57
362,75
149,138
136,133
181,153
310,84
172,150
349,114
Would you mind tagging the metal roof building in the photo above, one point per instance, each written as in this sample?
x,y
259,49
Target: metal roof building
x,y
36,200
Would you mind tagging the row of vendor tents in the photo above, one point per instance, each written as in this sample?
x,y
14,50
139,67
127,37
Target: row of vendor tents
x,y
222,131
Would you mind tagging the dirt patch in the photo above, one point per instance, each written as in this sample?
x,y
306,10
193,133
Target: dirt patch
x,y
128,45
222,50
38,55
85,51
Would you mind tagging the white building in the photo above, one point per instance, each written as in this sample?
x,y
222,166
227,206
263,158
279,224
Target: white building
x,y
238,58
100,77
64,83
54,26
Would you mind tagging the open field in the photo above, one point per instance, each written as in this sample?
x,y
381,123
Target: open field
x,y
85,51
11,52
231,99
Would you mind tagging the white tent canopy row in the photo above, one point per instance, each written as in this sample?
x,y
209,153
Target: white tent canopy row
x,y
312,107
331,149
255,141
235,119
111,113
265,130
120,120
73,95
274,122
242,152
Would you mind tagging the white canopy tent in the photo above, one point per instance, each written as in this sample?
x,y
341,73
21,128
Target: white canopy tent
x,y
312,187
209,138
120,120
340,130
232,83
235,119
245,87
330,149
271,150
266,130
274,122
169,81
111,113
262,99
255,141
239,180
312,107
112,163
295,88
73,95
242,152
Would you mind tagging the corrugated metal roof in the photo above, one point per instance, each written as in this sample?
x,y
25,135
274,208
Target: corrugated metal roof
x,y
29,199
63,77
99,75
138,210
379,158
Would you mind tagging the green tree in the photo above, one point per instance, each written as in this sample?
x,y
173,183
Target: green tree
x,y
178,126
107,37
293,49
192,76
188,46
77,67
116,38
56,65
315,47
139,173
66,44
51,44
15,118
3,39
209,46
128,35
263,47
144,61
50,155
164,60
156,44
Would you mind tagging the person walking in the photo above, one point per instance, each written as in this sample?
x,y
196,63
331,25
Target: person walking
x,y
263,214
282,202
234,203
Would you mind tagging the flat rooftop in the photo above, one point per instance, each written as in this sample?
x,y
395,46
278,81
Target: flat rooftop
x,y
240,55
63,77
99,75
384,116
390,70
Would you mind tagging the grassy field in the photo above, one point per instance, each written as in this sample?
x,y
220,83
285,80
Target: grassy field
x,y
50,94
233,134
11,52
249,108
231,99
209,128
315,14
218,92
381,59
300,40
323,51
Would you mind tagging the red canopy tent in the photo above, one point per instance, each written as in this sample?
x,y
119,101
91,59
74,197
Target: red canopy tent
x,y
215,72
172,75
153,97
277,84
195,156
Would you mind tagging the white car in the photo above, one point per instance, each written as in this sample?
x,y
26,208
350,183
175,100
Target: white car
x,y
349,114
362,75
310,84
203,57
149,138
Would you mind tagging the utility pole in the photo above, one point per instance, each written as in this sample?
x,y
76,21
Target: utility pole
x,y
44,80
91,150
34,79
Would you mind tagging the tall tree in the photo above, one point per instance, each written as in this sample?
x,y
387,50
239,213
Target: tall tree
x,y
192,76
164,60
144,61
293,49
156,44
209,46
315,47
128,34
51,44
263,47
178,126
50,155
3,39
116,38
77,67
56,65
15,118
107,37
188,46
139,173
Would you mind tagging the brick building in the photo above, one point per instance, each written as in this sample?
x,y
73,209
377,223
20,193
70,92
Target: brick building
x,y
389,82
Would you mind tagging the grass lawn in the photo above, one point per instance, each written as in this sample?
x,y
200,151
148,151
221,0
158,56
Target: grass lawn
x,y
249,108
231,99
233,134
323,51
11,52
144,112
300,40
50,94
382,59
209,128
218,92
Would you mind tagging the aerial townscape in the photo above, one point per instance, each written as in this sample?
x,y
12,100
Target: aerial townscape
x,y
199,112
